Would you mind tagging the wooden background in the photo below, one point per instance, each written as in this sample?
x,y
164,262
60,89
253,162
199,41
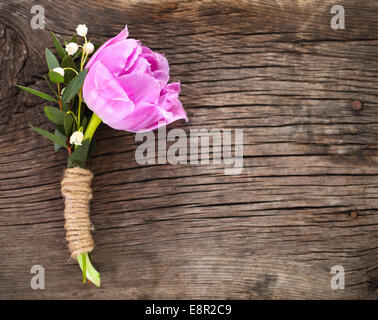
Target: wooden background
x,y
307,197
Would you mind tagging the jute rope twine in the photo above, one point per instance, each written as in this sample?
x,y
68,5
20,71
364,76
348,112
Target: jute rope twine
x,y
77,192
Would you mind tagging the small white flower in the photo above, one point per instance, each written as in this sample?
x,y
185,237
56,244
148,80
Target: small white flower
x,y
61,92
77,138
59,70
82,30
72,48
88,48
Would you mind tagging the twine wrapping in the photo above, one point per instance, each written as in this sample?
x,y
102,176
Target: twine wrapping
x,y
77,192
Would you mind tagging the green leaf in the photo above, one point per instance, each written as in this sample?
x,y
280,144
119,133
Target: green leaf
x,y
51,88
68,123
50,136
69,74
74,86
60,135
79,156
54,115
55,77
60,127
38,93
58,46
73,39
65,106
68,62
77,54
52,61
84,123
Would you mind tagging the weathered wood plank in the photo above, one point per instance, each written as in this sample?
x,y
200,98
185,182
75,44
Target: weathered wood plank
x,y
273,68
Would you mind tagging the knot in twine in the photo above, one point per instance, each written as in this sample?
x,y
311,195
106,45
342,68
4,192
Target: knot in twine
x,y
77,192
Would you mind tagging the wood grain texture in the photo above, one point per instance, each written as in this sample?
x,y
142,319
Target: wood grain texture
x,y
273,68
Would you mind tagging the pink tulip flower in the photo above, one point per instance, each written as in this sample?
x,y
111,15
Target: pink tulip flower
x,y
127,86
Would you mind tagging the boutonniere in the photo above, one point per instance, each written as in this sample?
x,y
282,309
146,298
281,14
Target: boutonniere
x,y
122,84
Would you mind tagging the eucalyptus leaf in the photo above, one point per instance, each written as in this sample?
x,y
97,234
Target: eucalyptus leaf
x,y
38,93
79,156
58,46
50,136
55,77
52,61
60,135
54,115
74,86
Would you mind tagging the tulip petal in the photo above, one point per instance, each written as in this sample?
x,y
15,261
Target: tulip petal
x,y
119,56
121,36
169,101
104,95
176,112
133,58
159,64
140,118
124,34
140,66
148,117
168,94
140,88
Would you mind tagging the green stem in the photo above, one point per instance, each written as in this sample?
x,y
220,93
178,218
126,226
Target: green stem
x,y
68,68
79,108
84,270
70,112
89,272
92,126
83,58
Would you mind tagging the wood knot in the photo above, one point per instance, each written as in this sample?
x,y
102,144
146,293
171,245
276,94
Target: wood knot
x,y
356,105
354,214
13,58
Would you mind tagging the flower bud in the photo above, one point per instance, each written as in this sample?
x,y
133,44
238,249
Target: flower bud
x,y
82,30
72,48
88,48
77,138
59,70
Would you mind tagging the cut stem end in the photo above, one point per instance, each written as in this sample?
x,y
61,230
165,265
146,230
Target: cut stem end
x,y
89,272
